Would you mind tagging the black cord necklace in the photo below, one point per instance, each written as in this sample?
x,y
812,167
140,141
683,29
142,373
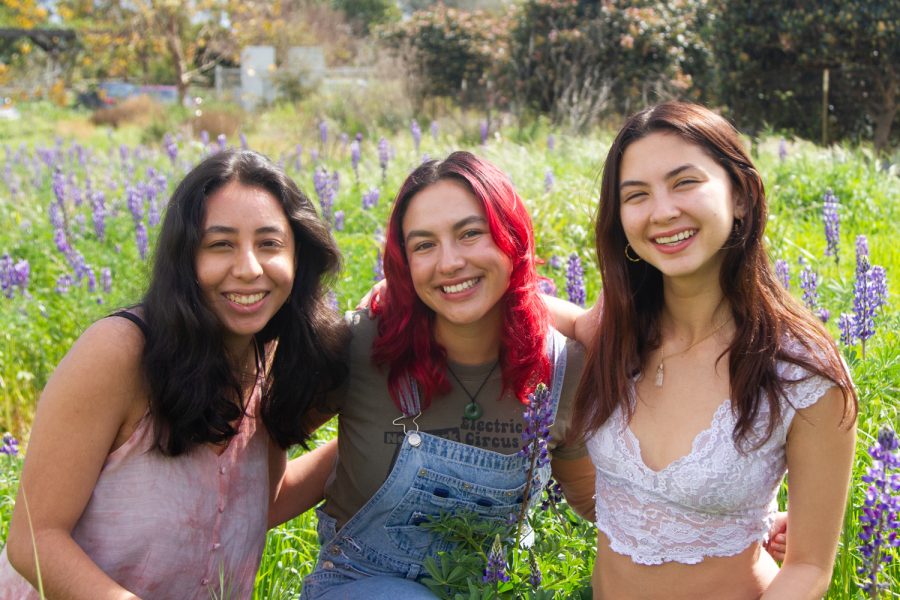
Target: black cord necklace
x,y
473,410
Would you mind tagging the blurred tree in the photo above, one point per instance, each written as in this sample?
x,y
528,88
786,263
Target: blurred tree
x,y
161,40
363,14
23,14
771,55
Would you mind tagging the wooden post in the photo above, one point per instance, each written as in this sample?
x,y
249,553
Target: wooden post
x,y
825,107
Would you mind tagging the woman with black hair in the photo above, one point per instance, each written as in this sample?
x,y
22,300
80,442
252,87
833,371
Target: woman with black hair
x,y
157,456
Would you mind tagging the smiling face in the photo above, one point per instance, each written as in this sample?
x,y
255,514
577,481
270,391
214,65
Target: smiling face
x,y
676,206
245,262
456,268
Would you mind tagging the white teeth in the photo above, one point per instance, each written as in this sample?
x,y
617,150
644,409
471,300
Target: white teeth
x,y
245,299
459,287
682,235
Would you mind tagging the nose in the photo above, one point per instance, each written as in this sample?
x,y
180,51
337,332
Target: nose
x,y
246,266
451,259
665,209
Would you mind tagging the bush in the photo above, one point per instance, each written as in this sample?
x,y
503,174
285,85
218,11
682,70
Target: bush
x,y
574,59
218,121
137,110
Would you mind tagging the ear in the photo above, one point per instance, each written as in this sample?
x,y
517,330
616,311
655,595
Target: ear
x,y
741,203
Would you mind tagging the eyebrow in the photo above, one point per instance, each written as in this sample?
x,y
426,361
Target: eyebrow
x,y
456,227
213,229
668,175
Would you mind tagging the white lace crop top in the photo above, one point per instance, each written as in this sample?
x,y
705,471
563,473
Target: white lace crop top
x,y
715,501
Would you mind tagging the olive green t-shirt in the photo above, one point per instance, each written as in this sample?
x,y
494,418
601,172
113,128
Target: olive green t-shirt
x,y
368,440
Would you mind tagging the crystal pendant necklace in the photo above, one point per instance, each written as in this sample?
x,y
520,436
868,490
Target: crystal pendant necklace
x,y
473,410
660,373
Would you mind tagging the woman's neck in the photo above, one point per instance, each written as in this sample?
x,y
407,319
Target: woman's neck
x,y
469,345
689,313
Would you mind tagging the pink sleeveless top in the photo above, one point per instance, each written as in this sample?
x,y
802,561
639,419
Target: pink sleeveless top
x,y
182,527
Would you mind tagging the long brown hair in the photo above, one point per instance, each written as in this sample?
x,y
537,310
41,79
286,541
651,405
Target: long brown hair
x,y
770,325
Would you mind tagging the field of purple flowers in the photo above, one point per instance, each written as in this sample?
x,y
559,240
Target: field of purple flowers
x,y
79,215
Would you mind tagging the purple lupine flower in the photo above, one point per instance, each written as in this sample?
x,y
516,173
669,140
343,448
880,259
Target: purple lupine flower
x,y
6,275
880,514
824,314
551,142
322,184
534,570
549,180
435,130
106,279
555,262
171,148
782,272
495,571
56,216
313,155
809,283
864,301
846,327
416,134
10,445
243,139
91,280
332,300
79,265
354,158
370,198
383,158
98,213
483,130
323,132
862,252
575,280
123,153
339,220
223,142
135,202
831,216
63,283
782,149
61,241
538,418
877,285
140,236
204,138
553,494
298,158
546,286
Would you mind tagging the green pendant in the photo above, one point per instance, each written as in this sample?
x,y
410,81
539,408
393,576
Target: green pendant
x,y
472,411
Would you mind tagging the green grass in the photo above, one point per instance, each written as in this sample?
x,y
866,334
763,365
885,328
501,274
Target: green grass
x,y
37,329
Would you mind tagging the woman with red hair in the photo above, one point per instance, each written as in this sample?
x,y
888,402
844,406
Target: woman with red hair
x,y
431,416
705,380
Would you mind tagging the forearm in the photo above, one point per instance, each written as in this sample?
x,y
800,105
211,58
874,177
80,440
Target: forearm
x,y
303,483
799,581
564,314
66,572
576,478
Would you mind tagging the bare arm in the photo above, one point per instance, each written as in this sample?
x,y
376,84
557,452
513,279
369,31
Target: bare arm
x,y
89,404
820,459
300,483
576,478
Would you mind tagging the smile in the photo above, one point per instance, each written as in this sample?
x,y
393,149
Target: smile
x,y
460,287
678,237
245,299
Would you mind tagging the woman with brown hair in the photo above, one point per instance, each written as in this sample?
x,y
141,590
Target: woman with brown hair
x,y
705,380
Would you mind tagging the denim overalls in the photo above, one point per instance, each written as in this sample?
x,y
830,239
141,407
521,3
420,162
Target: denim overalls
x,y
380,551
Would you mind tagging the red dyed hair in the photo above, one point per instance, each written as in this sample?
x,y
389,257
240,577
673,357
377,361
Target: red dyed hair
x,y
770,325
405,341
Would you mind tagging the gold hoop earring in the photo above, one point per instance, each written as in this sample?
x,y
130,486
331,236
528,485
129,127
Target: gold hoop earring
x,y
637,258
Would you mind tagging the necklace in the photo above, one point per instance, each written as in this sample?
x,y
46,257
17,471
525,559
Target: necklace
x,y
660,369
473,410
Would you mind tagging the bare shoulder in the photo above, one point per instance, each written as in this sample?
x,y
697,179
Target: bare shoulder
x,y
103,370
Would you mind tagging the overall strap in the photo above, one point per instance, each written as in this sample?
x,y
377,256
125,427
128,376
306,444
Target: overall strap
x,y
142,325
556,352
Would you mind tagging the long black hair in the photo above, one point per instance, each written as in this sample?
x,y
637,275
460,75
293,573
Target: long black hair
x,y
192,384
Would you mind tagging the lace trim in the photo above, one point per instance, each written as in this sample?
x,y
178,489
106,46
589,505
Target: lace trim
x,y
714,501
